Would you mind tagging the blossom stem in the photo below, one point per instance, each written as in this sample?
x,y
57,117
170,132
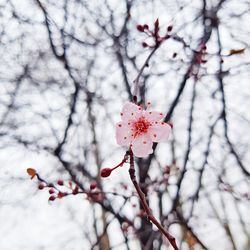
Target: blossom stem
x,y
122,162
145,206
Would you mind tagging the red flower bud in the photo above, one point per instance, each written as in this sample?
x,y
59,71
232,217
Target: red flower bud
x,y
51,191
144,45
105,172
60,182
93,185
50,185
169,28
52,198
145,26
60,195
41,186
140,28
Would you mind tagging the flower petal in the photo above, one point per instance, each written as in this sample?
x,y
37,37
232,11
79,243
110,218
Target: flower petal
x,y
130,111
159,132
152,116
142,146
123,134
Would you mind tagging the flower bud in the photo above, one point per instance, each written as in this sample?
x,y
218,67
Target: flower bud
x,y
60,195
51,191
60,182
52,198
140,28
41,186
169,28
93,185
105,172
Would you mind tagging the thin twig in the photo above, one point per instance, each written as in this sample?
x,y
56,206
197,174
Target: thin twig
x,y
136,81
147,209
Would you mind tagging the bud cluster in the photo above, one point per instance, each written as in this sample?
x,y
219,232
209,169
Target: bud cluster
x,y
199,59
53,190
61,188
154,33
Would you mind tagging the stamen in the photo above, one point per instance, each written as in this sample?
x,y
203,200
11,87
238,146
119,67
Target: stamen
x,y
141,126
148,105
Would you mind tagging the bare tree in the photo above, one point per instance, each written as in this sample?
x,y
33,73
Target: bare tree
x,y
69,66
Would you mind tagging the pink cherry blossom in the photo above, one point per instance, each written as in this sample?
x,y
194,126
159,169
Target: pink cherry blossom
x,y
140,128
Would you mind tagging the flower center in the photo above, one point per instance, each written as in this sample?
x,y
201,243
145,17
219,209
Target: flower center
x,y
140,126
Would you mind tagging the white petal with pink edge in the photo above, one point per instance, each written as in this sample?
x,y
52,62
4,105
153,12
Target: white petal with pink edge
x,y
123,134
152,116
159,132
130,111
142,146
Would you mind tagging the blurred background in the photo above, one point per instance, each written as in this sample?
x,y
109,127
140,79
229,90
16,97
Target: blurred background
x,y
67,67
